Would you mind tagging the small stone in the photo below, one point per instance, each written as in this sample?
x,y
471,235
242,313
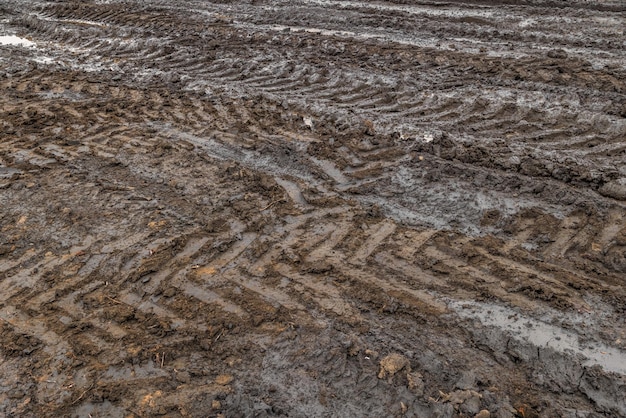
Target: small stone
x,y
371,354
216,404
483,414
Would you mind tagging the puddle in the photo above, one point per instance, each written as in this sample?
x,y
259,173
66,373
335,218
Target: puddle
x,y
15,40
82,22
414,10
67,95
331,170
292,190
431,42
45,60
541,334
407,197
496,49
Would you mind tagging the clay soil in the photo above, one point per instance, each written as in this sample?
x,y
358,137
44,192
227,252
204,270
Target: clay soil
x,y
313,208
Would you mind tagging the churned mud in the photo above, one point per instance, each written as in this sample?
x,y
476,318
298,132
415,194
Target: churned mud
x,y
313,208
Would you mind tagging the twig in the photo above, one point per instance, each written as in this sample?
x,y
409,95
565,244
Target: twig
x,y
113,300
119,302
82,394
272,204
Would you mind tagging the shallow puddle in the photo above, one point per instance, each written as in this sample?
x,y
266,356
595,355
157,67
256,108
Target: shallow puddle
x,y
542,334
15,40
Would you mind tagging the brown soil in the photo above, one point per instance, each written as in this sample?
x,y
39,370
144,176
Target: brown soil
x,y
313,208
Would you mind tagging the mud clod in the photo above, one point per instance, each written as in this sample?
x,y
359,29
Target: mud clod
x,y
392,364
615,189
483,414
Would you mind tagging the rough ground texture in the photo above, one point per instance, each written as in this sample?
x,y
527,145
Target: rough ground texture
x,y
313,208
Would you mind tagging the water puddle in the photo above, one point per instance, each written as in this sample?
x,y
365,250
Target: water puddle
x,y
81,22
331,170
542,334
15,41
341,33
483,12
66,95
292,190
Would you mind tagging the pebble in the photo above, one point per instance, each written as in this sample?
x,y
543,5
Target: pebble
x,y
483,414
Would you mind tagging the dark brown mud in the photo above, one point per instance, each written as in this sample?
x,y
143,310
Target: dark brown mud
x,y
312,208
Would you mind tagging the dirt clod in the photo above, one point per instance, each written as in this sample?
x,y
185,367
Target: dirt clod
x,y
223,379
392,364
483,414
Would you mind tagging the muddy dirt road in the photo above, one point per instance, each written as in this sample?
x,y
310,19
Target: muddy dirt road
x,y
312,208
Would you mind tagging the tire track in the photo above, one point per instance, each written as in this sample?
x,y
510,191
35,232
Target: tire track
x,y
267,188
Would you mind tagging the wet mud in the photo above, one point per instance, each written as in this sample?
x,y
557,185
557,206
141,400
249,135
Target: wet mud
x,y
312,208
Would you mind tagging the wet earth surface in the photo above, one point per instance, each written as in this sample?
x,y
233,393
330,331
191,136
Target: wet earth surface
x,y
312,208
